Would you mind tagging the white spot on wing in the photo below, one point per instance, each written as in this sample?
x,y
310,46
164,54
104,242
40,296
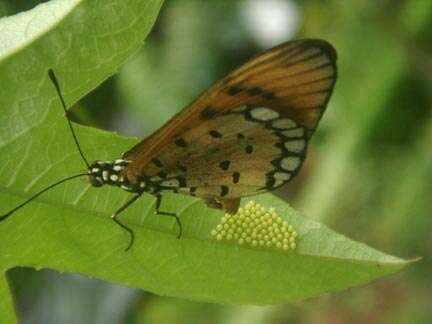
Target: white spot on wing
x,y
295,146
290,163
264,114
284,123
114,177
95,170
278,183
296,132
283,176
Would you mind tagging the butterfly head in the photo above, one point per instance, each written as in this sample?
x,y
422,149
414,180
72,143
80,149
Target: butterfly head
x,y
107,172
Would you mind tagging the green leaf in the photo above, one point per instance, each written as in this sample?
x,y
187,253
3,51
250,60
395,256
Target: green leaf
x,y
69,228
84,41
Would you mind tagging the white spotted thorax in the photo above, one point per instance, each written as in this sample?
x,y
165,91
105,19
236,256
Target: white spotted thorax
x,y
255,226
110,173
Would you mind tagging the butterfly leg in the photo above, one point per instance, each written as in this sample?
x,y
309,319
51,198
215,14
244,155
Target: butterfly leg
x,y
121,209
158,212
213,203
229,205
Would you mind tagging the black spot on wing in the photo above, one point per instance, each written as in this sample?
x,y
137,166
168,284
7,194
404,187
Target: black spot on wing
x,y
249,149
208,113
224,165
215,134
157,162
180,142
257,91
224,191
236,177
234,90
181,167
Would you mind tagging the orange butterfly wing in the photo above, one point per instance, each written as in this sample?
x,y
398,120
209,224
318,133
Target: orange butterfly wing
x,y
293,81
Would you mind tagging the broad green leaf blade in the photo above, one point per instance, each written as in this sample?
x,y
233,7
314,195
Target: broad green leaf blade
x,y
194,267
69,229
84,41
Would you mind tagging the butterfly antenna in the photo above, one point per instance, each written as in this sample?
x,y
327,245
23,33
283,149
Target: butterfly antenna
x,y
9,213
57,87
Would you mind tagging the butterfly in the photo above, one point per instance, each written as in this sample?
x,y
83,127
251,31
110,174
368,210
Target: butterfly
x,y
246,134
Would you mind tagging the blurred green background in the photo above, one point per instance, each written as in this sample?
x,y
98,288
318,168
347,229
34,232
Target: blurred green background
x,y
369,170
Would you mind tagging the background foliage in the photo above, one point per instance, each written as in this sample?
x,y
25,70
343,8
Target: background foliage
x,y
368,174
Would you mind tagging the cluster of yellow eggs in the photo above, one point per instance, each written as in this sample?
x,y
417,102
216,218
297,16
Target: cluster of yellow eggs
x,y
256,226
